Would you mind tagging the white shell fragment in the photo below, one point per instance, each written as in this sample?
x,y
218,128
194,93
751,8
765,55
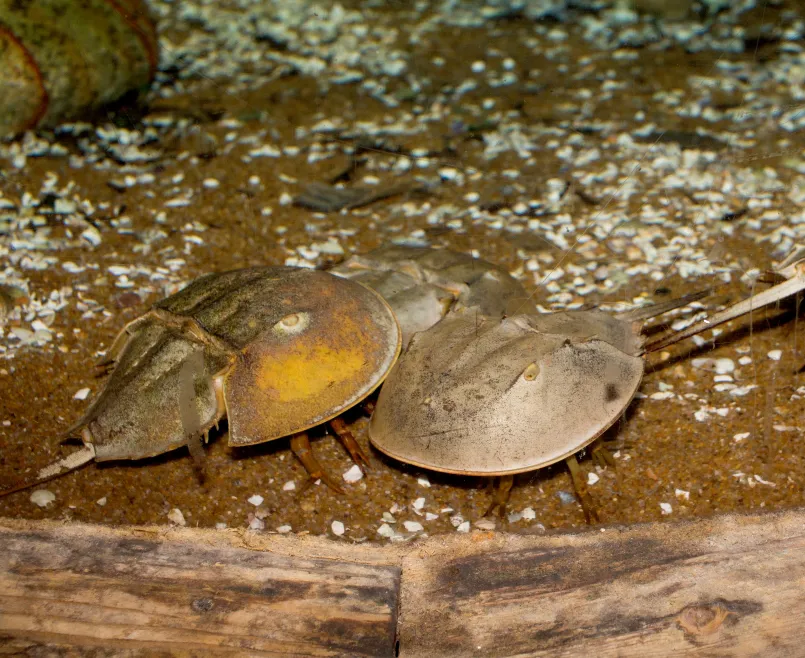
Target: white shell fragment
x,y
413,526
81,394
176,517
42,497
354,474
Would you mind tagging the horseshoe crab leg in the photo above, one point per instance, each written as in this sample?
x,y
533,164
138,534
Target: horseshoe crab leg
x,y
348,440
500,497
300,444
583,495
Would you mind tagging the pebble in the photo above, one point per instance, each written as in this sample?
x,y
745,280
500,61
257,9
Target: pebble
x,y
424,482
529,514
284,529
775,355
101,501
42,497
666,508
485,524
338,528
289,486
256,500
592,478
413,526
463,527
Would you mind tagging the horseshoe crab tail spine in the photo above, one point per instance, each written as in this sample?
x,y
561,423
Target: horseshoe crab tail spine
x,y
56,469
755,302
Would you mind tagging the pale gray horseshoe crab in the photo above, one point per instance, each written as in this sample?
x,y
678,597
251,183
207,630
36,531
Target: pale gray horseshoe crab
x,y
485,396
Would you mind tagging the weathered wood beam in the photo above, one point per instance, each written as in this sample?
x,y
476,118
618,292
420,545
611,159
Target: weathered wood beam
x,y
91,588
726,586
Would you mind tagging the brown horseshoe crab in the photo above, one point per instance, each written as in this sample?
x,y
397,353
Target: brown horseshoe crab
x,y
276,350
480,395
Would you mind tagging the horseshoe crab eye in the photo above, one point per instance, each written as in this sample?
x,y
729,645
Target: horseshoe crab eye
x,y
292,324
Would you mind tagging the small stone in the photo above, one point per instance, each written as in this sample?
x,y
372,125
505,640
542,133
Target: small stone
x,y
81,394
354,474
775,355
740,436
463,527
485,524
284,529
257,524
424,482
419,503
592,478
338,528
529,514
101,501
42,497
211,183
682,494
413,526
256,500
176,517
666,508
220,526
289,486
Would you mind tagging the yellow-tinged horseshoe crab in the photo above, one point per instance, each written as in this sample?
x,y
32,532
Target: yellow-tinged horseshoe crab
x,y
276,350
480,395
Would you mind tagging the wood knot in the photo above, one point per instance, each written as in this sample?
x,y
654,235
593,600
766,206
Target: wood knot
x,y
699,620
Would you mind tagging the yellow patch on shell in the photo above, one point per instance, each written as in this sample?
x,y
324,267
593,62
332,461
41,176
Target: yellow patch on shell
x,y
308,371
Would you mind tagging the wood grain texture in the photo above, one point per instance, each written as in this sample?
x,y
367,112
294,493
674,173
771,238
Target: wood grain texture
x,y
731,586
95,590
728,586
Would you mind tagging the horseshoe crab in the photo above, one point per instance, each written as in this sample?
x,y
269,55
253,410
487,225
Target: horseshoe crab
x,y
276,350
422,284
480,395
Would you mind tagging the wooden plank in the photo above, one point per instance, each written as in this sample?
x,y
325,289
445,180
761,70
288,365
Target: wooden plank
x,y
730,586
88,588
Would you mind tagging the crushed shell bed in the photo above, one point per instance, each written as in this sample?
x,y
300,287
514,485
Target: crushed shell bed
x,y
493,118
